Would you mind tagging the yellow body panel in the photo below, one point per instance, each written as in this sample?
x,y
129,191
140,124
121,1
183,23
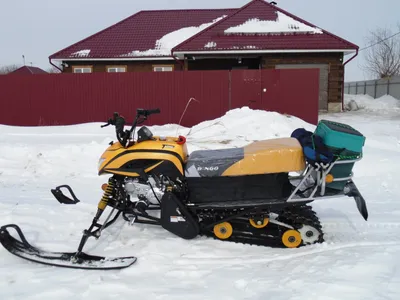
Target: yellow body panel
x,y
116,156
269,156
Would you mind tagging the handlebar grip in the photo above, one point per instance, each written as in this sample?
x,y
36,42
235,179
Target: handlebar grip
x,y
153,111
147,112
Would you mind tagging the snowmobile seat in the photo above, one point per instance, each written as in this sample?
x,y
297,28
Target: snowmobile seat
x,y
282,155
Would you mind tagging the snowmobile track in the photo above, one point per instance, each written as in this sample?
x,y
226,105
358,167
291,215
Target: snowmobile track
x,y
271,235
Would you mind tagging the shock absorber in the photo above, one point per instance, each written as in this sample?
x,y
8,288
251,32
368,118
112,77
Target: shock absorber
x,y
108,193
104,201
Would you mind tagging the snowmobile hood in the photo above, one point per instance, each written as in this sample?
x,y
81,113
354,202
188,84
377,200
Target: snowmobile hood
x,y
151,152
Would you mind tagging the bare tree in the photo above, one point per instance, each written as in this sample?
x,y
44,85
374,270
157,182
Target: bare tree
x,y
8,69
382,59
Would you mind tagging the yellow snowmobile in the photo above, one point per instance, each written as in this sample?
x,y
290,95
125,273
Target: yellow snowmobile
x,y
258,194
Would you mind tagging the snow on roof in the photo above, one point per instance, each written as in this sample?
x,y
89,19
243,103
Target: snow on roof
x,y
283,24
210,45
164,45
81,53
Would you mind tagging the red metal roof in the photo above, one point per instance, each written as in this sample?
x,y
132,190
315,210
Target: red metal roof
x,y
138,32
217,39
28,70
135,35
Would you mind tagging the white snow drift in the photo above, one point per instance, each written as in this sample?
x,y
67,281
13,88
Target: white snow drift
x,y
385,103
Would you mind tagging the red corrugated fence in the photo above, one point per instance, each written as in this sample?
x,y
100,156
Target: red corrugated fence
x,y
65,99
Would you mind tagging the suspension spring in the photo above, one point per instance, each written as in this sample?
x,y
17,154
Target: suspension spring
x,y
108,193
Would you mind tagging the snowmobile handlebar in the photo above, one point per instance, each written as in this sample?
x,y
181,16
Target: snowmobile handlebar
x,y
147,112
119,123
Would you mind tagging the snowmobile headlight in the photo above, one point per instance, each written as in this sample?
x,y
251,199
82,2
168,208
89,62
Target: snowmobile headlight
x,y
101,160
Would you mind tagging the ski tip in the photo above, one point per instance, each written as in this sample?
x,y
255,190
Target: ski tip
x,y
23,249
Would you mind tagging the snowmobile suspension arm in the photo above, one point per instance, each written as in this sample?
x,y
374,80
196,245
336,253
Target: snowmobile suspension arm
x,y
96,233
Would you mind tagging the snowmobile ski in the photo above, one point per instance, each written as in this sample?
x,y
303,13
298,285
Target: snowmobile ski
x,y
59,259
58,194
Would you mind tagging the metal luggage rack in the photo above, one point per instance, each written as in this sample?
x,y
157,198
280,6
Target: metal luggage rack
x,y
320,170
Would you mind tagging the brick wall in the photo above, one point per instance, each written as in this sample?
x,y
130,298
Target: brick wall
x,y
132,66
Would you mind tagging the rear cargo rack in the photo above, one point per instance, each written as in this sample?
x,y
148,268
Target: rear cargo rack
x,y
318,173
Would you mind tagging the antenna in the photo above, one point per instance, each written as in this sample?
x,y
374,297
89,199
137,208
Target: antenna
x,y
23,59
187,105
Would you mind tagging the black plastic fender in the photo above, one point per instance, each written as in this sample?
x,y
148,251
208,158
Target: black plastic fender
x,y
176,218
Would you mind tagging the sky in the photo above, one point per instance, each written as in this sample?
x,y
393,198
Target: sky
x,y
39,28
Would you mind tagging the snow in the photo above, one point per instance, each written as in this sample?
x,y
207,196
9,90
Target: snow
x,y
359,259
210,45
385,103
81,53
164,45
283,24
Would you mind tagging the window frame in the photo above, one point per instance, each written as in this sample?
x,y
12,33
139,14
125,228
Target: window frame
x,y
117,67
82,67
163,66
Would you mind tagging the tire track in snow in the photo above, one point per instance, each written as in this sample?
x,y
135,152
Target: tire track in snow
x,y
234,260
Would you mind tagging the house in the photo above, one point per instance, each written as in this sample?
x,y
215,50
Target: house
x,y
28,70
259,35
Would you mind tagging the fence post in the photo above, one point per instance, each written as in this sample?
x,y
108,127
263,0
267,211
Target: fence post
x,y
356,88
375,88
365,87
388,86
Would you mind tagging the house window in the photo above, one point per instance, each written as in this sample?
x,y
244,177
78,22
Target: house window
x,y
163,68
82,69
116,69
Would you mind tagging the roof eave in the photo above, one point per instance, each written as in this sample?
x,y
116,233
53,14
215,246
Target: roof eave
x,y
113,58
181,54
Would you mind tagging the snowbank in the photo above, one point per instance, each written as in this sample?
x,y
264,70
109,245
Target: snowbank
x,y
243,125
385,103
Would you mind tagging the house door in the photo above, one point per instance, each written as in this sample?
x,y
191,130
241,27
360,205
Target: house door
x,y
245,88
323,80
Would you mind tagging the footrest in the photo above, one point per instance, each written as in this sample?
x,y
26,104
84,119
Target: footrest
x,y
58,194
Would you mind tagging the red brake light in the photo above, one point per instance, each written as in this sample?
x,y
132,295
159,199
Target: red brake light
x,y
181,140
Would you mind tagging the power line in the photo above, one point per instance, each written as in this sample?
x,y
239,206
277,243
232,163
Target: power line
x,y
393,35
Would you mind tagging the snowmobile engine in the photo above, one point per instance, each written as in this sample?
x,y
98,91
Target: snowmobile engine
x,y
143,191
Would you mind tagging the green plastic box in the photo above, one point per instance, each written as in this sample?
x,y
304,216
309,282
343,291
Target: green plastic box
x,y
344,141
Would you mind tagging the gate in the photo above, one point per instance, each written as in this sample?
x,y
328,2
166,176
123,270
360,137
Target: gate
x,y
323,80
246,89
293,91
